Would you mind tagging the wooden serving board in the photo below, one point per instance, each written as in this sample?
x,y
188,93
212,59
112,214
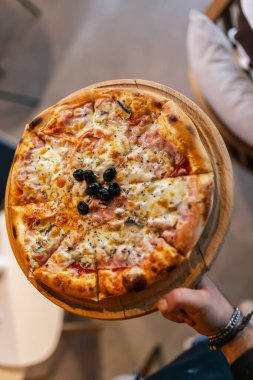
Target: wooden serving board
x,y
205,251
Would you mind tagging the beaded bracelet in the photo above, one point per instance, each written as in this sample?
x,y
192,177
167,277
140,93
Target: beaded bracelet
x,y
230,331
227,329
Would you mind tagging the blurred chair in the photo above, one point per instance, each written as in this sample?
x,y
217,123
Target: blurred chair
x,y
31,7
14,97
222,11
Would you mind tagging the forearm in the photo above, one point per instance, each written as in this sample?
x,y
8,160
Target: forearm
x,y
239,345
211,314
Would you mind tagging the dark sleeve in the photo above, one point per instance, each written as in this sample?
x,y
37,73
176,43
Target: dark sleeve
x,y
244,34
242,368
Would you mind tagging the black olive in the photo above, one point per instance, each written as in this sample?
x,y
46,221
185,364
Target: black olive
x,y
93,188
114,188
82,208
104,194
129,221
109,174
79,175
89,176
172,118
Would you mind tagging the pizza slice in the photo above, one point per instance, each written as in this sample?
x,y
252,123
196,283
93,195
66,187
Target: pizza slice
x,y
37,234
39,173
176,208
170,147
40,228
71,270
181,138
64,121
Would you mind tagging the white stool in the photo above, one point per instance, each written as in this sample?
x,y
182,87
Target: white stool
x,y
30,325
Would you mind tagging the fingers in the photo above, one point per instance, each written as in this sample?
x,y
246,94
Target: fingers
x,y
192,300
179,316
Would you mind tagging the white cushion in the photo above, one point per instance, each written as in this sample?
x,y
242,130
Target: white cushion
x,y
247,8
227,89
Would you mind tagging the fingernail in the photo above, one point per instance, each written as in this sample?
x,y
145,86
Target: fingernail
x,y
162,305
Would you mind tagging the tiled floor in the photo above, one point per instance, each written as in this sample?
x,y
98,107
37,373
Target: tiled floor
x,y
80,42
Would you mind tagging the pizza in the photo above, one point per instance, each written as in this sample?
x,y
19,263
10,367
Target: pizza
x,y
110,190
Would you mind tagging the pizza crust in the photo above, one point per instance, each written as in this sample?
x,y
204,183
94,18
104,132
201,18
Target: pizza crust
x,y
182,131
84,286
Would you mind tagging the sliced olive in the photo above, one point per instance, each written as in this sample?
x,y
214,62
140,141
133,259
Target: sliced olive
x,y
104,194
114,188
82,208
93,188
79,175
89,176
109,174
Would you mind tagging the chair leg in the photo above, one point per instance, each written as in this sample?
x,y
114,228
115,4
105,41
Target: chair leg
x,y
33,9
155,356
216,9
2,72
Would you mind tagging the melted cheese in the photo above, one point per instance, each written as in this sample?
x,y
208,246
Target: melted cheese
x,y
71,251
125,247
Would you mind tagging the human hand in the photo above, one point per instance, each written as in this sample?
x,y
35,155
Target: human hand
x,y
204,308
